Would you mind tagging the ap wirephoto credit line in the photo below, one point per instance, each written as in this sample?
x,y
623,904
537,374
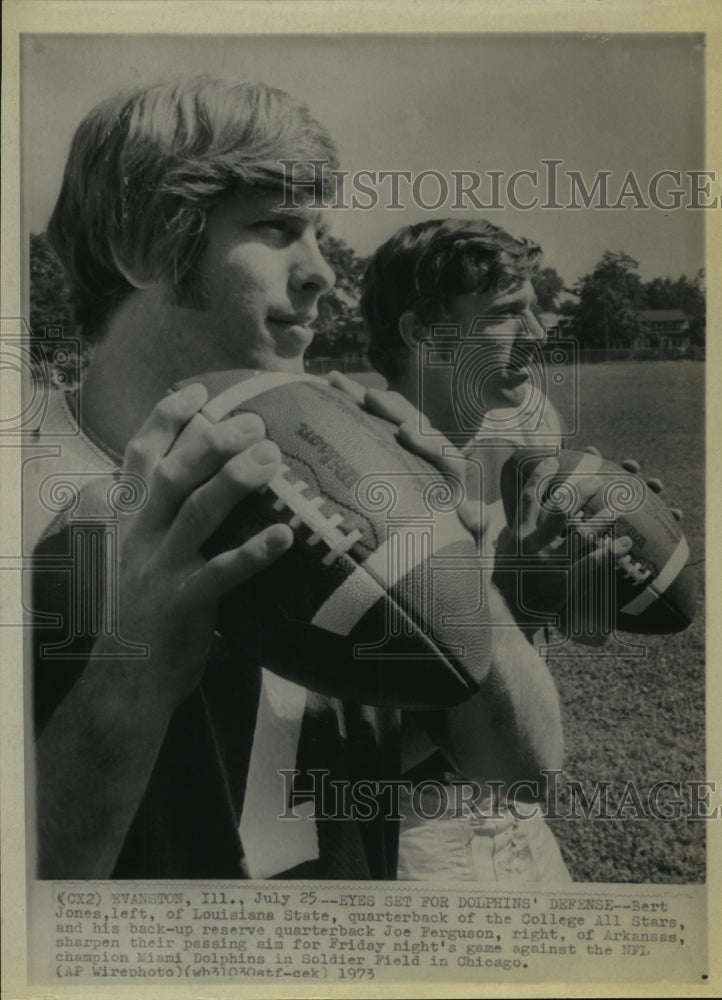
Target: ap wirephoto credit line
x,y
361,457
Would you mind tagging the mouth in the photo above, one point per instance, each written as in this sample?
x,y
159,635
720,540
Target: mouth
x,y
511,377
291,333
520,364
295,319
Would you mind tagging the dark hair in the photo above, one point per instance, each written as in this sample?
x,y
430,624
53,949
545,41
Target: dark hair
x,y
421,266
145,167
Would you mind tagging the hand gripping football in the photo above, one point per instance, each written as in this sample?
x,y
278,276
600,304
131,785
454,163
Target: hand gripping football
x,y
654,587
379,599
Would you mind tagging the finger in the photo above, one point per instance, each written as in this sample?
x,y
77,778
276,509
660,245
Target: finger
x,y
620,546
611,547
161,427
597,533
237,566
597,523
347,385
583,488
208,506
572,494
532,496
549,533
396,408
592,450
433,447
655,485
551,524
601,558
631,465
677,513
203,452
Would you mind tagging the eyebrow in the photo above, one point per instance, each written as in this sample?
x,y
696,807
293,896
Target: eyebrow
x,y
507,308
308,216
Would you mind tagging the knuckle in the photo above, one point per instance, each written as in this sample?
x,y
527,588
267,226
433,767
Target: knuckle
x,y
218,441
167,473
247,423
231,437
237,471
409,431
137,451
166,470
212,437
170,408
241,473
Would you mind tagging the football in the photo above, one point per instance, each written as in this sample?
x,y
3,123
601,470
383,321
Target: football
x,y
380,598
652,589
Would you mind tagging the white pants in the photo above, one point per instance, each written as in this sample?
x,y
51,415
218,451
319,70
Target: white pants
x,y
474,845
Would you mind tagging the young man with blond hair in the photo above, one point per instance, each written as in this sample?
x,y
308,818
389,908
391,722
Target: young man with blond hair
x,y
179,262
181,259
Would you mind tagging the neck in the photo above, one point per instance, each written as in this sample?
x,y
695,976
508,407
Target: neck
x,y
132,367
436,407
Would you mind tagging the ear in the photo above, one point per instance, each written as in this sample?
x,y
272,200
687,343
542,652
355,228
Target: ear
x,y
412,330
130,274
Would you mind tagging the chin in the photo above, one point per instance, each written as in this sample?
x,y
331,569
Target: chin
x,y
515,397
282,354
511,396
290,341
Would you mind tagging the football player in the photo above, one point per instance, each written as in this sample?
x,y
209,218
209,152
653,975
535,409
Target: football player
x,y
449,306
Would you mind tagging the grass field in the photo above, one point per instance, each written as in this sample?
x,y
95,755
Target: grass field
x,y
638,719
641,720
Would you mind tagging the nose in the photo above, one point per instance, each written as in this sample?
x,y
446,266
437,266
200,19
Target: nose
x,y
531,327
312,274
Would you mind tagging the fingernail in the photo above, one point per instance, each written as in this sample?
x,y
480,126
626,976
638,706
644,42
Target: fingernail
x,y
279,536
196,392
264,453
249,423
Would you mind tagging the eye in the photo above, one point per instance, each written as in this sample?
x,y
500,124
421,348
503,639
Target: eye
x,y
279,225
506,281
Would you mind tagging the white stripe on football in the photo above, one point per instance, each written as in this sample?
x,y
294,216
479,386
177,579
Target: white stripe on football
x,y
379,599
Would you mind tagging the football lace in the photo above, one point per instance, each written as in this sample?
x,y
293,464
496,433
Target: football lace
x,y
633,570
307,511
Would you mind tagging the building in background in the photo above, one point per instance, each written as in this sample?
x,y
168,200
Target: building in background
x,y
664,331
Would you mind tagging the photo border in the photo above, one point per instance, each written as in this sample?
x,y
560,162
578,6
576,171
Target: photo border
x,y
342,17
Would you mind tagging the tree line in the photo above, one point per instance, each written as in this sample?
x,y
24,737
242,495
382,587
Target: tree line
x,y
603,309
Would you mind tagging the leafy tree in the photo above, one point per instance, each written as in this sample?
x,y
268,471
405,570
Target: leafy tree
x,y
548,285
54,343
339,323
685,294
610,297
